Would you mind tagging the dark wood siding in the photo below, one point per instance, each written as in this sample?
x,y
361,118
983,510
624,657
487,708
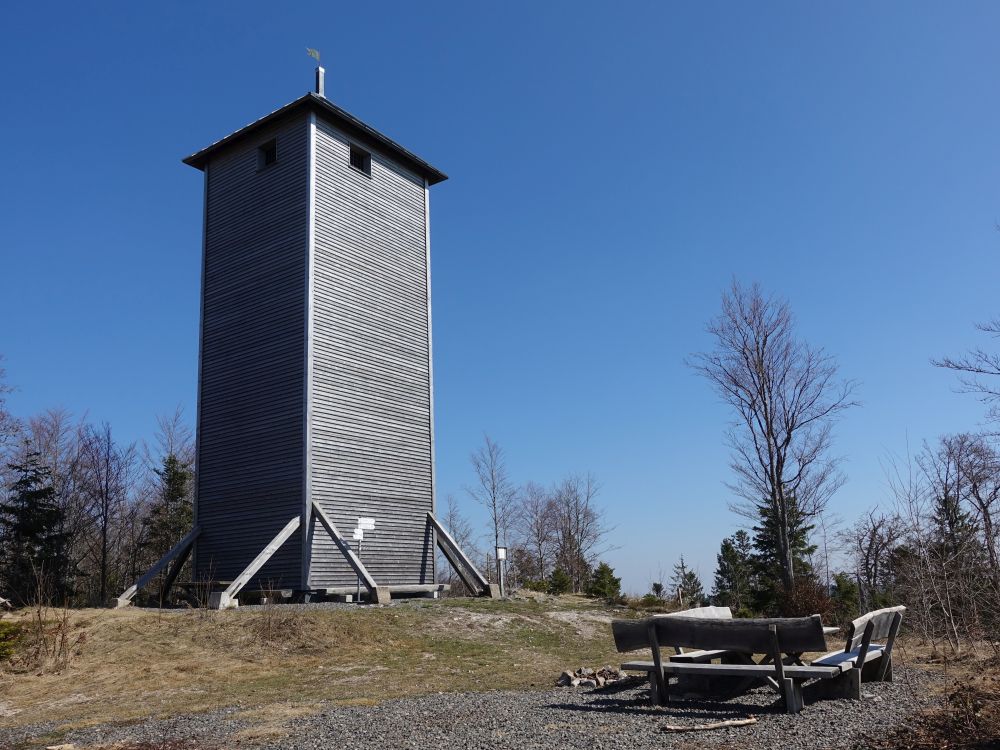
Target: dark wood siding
x,y
252,379
371,393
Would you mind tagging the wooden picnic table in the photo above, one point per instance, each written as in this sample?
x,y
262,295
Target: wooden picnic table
x,y
780,644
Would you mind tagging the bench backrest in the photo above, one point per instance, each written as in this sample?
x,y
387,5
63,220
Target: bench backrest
x,y
633,634
795,634
882,629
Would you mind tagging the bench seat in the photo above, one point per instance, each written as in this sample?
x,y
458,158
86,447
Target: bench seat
x,y
689,656
737,670
847,659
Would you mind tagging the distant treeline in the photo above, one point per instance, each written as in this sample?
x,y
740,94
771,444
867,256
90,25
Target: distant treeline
x,y
83,514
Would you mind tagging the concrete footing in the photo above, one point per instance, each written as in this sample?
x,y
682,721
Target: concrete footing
x,y
222,600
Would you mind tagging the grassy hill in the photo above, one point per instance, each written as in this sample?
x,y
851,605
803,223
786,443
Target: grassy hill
x,y
87,667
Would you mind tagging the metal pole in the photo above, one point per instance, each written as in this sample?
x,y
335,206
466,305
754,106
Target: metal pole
x,y
502,563
358,599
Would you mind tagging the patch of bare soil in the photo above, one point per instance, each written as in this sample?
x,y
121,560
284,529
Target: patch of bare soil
x,y
586,624
969,719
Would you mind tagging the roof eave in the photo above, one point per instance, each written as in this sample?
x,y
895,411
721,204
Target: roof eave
x,y
342,118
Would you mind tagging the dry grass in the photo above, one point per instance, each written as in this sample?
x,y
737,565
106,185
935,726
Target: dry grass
x,y
128,664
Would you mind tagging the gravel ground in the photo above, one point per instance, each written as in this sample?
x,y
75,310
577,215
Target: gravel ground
x,y
616,717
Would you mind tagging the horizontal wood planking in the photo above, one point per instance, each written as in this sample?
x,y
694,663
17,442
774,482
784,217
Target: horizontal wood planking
x,y
250,462
370,395
797,634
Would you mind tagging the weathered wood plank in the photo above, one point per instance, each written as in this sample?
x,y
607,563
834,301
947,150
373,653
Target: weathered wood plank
x,y
882,623
796,671
468,572
184,545
345,549
258,562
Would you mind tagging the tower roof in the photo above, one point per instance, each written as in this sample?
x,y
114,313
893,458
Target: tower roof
x,y
341,118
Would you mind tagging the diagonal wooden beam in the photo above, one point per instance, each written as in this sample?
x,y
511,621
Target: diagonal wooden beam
x,y
173,572
226,598
184,545
379,594
460,561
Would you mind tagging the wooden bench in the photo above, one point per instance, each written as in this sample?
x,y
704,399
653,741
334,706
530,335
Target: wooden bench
x,y
781,641
873,660
631,635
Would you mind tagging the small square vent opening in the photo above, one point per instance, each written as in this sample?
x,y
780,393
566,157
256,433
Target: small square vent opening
x,y
361,160
267,154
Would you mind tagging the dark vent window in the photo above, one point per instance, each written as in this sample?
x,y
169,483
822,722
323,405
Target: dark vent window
x,y
361,160
267,154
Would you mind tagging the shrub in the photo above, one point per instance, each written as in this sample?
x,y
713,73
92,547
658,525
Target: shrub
x,y
559,582
10,633
539,586
604,584
805,599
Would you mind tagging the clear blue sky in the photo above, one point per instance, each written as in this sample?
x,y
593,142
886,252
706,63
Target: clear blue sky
x,y
612,168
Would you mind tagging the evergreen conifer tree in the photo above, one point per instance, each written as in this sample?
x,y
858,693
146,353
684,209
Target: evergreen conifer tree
x,y
604,584
33,540
560,582
734,575
687,586
171,515
767,558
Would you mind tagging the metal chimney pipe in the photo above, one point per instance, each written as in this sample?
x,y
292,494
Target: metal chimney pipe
x,y
320,75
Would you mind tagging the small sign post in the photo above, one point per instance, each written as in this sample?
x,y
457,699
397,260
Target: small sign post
x,y
501,564
364,524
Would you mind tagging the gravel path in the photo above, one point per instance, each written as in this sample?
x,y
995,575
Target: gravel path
x,y
616,717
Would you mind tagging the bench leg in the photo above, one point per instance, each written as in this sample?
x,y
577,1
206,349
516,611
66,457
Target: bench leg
x,y
845,685
791,691
884,673
659,688
654,689
877,670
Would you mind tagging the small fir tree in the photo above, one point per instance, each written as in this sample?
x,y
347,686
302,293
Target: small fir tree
x,y
604,584
171,515
734,573
560,582
845,598
687,586
33,541
768,566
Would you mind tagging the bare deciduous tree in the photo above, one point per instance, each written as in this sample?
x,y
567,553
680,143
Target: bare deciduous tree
x,y
537,527
978,369
581,529
871,542
9,426
173,437
461,531
57,437
786,395
941,556
109,476
494,490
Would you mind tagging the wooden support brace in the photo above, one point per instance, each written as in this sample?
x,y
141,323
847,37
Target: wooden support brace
x,y
173,572
884,673
228,597
379,594
662,682
461,562
183,546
